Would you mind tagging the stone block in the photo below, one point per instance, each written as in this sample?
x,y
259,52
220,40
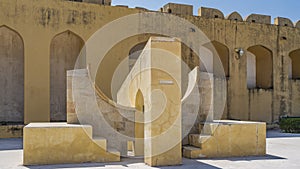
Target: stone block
x,y
228,139
60,143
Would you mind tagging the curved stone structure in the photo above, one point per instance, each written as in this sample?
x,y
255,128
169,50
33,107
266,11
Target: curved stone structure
x,y
280,21
210,13
257,18
297,24
235,16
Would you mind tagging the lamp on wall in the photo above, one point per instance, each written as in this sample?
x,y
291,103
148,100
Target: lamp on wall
x,y
240,52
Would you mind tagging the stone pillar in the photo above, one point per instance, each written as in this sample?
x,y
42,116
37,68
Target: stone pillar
x,y
163,115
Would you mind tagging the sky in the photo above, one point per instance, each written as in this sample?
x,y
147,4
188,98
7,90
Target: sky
x,y
283,8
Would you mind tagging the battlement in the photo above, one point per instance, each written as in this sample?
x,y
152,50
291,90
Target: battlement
x,y
208,13
102,2
182,9
212,13
257,18
283,22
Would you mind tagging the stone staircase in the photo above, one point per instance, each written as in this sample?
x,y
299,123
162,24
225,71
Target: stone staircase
x,y
60,143
102,143
225,138
200,145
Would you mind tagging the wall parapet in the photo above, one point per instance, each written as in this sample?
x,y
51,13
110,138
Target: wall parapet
x,y
258,18
212,13
181,9
235,16
280,21
297,24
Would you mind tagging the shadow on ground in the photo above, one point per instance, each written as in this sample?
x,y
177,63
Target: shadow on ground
x,y
279,134
250,158
129,163
11,144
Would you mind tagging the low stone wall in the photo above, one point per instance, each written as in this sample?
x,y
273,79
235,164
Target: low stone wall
x,y
11,131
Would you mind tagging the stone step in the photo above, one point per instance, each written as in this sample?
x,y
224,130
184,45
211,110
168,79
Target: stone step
x,y
101,142
197,140
192,152
208,127
114,152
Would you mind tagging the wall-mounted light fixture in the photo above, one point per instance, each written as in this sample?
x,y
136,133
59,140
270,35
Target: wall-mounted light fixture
x,y
240,52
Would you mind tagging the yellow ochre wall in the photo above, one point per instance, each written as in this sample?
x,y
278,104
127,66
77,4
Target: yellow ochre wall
x,y
37,22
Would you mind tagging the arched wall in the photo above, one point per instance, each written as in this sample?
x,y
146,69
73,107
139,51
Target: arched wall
x,y
264,66
295,63
251,71
64,50
11,76
220,52
53,17
139,125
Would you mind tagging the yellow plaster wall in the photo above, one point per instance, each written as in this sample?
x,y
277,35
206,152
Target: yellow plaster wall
x,y
226,138
12,76
159,61
38,21
60,143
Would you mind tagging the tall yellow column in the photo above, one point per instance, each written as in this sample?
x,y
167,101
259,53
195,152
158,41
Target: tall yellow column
x,y
163,115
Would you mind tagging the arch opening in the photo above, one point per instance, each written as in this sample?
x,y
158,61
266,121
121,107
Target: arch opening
x,y
64,51
294,68
219,51
260,64
138,149
12,76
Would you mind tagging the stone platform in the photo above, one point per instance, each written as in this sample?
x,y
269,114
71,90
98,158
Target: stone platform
x,y
61,143
227,138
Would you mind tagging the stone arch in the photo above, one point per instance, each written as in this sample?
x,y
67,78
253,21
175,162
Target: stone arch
x,y
11,75
135,52
219,51
295,62
263,66
64,50
235,16
139,125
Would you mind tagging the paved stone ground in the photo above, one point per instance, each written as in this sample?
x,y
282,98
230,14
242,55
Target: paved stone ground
x,y
283,151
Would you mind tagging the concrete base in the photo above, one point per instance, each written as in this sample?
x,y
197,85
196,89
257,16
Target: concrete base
x,y
226,138
59,143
